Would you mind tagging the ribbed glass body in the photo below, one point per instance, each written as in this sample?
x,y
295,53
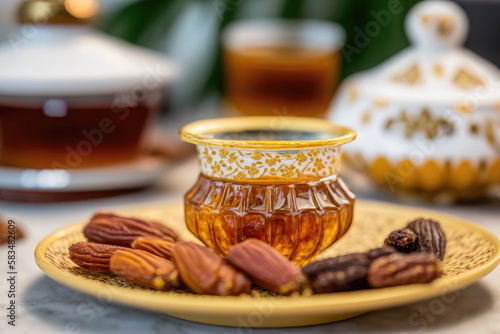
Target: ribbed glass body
x,y
298,219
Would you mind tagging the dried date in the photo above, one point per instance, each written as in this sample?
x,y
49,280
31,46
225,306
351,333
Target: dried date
x,y
93,256
404,240
402,269
264,264
7,234
108,228
145,269
207,273
158,246
431,238
342,273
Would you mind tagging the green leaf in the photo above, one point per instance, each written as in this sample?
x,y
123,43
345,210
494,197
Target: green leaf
x,y
132,21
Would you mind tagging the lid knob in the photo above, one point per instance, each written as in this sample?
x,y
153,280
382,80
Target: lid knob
x,y
57,11
437,25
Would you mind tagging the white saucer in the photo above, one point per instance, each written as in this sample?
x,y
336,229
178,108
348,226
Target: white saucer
x,y
143,171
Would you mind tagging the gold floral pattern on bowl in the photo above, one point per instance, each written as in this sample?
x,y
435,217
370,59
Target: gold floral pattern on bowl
x,y
243,165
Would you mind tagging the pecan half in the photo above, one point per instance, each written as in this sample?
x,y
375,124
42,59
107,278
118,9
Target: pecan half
x,y
207,273
431,238
108,228
401,269
404,240
154,245
93,256
145,269
264,264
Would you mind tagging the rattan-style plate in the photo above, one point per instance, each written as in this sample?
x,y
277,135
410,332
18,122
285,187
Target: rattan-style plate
x,y
472,252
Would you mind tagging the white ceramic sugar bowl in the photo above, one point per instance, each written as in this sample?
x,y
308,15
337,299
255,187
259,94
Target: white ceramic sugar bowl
x,y
428,119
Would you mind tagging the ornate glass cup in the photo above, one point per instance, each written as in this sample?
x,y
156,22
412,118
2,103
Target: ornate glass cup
x,y
270,178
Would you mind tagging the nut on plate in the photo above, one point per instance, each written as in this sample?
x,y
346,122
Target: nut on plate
x,y
145,269
93,256
431,238
108,228
264,264
205,272
402,269
158,246
404,240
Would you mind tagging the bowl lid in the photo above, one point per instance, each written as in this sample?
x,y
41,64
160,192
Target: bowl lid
x,y
76,60
436,68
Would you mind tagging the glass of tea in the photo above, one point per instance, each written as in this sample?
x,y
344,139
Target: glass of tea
x,y
270,178
73,131
281,67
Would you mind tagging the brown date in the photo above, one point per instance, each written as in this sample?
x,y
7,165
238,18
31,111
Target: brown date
x,y
404,240
264,264
7,233
145,269
431,238
108,228
205,272
158,246
401,269
93,256
342,273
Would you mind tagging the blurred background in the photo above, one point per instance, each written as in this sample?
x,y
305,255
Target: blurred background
x,y
203,75
188,32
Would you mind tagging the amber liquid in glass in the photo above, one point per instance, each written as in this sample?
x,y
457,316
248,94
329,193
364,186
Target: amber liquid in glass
x,y
281,80
84,137
299,220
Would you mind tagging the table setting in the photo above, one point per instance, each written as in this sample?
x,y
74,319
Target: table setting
x,y
288,178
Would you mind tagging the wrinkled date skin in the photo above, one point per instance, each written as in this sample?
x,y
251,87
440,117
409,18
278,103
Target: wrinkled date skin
x,y
264,264
342,273
401,269
108,228
404,240
431,238
205,272
145,269
158,246
93,256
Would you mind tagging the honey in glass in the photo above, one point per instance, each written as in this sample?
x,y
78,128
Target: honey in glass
x,y
281,67
278,184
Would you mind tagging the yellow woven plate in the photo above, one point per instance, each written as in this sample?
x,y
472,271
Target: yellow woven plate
x,y
472,252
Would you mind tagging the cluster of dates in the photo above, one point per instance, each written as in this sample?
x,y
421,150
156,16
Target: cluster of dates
x,y
150,254
411,255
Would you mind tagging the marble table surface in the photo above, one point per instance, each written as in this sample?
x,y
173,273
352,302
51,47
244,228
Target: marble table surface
x,y
44,306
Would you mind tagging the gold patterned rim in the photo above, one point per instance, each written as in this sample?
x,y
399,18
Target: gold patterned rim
x,y
196,132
